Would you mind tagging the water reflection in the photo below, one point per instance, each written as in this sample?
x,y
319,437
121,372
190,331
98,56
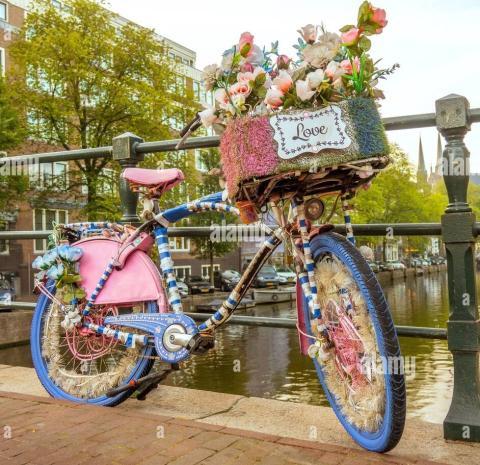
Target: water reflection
x,y
266,362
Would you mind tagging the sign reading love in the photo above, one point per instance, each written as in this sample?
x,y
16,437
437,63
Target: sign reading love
x,y
309,132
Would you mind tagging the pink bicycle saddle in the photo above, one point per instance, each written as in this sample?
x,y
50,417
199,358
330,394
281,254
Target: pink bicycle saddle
x,y
161,180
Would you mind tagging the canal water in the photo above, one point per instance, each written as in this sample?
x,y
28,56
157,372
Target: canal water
x,y
265,362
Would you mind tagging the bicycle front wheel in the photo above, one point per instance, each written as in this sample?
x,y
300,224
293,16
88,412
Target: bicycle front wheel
x,y
79,365
361,372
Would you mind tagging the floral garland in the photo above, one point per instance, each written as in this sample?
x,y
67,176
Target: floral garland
x,y
330,68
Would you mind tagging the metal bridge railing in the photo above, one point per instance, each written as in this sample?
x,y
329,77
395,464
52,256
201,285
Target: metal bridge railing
x,y
458,229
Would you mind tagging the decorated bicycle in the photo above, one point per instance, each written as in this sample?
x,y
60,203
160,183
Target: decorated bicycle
x,y
293,133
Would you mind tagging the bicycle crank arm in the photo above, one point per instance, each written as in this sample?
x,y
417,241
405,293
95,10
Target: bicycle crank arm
x,y
175,334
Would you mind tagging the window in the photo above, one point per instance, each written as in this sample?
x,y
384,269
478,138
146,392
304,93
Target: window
x,y
42,220
4,245
200,164
180,84
52,176
106,182
196,90
206,270
182,272
179,244
3,11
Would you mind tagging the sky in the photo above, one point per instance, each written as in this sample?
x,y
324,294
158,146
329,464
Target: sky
x,y
436,44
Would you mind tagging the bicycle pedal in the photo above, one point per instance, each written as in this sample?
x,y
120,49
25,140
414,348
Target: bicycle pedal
x,y
202,344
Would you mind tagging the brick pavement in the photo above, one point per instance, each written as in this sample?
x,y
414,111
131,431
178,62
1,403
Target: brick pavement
x,y
42,431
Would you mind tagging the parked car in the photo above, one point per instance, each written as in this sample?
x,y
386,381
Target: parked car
x,y
267,277
7,294
182,289
416,262
374,266
196,285
395,266
285,274
226,280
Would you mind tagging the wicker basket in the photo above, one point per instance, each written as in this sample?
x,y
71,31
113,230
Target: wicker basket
x,y
261,155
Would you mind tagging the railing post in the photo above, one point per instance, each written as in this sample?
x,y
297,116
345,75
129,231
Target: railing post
x,y
123,150
463,418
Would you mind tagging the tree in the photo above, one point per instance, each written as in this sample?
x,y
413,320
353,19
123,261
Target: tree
x,y
13,181
89,80
204,248
396,197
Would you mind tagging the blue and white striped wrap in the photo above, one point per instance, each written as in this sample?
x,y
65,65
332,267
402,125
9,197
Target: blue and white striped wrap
x,y
230,304
212,206
101,283
348,221
307,280
166,264
129,339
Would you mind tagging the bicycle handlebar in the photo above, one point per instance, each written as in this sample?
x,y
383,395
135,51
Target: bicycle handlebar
x,y
192,126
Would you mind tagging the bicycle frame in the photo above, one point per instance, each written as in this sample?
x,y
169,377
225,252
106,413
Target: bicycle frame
x,y
303,263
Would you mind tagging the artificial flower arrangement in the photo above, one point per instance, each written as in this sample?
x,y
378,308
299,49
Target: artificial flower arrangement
x,y
329,68
60,264
258,92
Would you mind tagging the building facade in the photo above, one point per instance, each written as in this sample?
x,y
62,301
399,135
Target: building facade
x,y
63,203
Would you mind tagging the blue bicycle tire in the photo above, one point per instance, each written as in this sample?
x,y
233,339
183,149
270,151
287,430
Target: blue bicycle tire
x,y
390,431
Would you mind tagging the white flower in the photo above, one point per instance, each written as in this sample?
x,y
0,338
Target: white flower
x,y
315,78
303,90
331,39
209,76
208,116
308,33
323,51
334,70
256,56
227,60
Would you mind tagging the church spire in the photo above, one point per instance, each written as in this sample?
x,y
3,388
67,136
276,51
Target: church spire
x,y
422,174
439,163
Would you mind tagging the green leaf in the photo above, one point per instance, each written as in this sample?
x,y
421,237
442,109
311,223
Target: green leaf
x,y
72,278
346,28
364,43
261,92
260,80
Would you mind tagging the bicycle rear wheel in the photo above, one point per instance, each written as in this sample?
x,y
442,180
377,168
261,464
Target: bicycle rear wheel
x,y
361,373
79,365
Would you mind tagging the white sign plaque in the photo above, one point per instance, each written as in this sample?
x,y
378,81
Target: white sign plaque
x,y
309,131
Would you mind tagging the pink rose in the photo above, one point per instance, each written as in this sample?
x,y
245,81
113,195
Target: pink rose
x,y
245,77
283,61
283,81
347,65
274,97
379,17
245,44
240,88
222,98
246,67
309,33
351,36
